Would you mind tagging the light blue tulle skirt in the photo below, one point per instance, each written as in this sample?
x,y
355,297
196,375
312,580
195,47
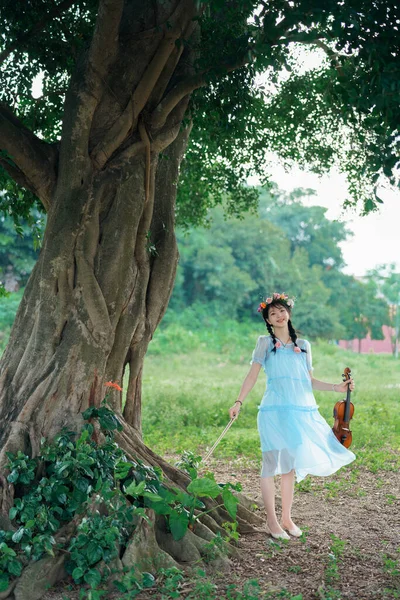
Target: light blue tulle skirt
x,y
299,438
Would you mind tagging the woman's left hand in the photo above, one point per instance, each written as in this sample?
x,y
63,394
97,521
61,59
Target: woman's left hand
x,y
342,387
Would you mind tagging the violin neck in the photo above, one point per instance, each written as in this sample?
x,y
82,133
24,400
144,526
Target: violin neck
x,y
347,409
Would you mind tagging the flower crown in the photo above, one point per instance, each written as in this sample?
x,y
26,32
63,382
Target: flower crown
x,y
275,296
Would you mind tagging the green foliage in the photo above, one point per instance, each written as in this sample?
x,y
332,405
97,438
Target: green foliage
x,y
363,312
189,463
75,477
227,268
386,279
9,303
391,565
306,227
304,117
251,591
331,576
19,243
132,583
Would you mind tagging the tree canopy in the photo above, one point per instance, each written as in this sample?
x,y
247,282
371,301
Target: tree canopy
x,y
249,95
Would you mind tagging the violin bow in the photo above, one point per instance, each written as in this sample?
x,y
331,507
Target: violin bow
x,y
225,431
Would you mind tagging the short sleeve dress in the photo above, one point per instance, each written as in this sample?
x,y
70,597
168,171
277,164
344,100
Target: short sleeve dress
x,y
293,434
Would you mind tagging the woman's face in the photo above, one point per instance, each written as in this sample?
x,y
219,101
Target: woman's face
x,y
278,316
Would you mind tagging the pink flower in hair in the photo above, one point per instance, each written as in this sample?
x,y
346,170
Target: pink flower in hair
x,y
276,295
268,300
297,349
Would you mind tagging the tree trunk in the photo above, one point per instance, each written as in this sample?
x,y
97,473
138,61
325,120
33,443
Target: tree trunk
x,y
107,266
92,304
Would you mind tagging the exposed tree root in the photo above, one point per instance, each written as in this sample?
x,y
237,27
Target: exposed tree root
x,y
38,576
143,551
151,546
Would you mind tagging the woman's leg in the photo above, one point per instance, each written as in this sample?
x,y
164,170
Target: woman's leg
x,y
287,489
268,495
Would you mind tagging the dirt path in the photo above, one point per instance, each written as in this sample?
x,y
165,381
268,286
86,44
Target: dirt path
x,y
359,508
362,562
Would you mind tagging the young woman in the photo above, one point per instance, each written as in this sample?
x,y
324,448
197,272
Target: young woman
x,y
295,438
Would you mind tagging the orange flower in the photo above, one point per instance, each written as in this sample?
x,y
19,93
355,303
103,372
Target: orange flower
x,y
263,305
113,385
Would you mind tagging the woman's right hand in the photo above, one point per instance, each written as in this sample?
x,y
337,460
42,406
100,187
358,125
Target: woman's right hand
x,y
234,410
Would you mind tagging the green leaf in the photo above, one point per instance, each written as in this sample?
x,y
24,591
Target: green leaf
x,y
6,551
4,582
178,523
153,497
94,553
77,573
162,508
204,487
90,413
15,567
230,502
13,513
122,469
93,578
13,476
148,580
30,524
135,490
18,535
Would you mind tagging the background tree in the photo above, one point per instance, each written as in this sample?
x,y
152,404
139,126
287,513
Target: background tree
x,y
102,148
363,312
387,281
18,250
285,247
305,226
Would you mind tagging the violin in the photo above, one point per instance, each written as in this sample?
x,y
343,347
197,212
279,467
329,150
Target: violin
x,y
343,411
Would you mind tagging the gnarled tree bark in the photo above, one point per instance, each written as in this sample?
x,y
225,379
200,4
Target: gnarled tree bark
x,y
107,266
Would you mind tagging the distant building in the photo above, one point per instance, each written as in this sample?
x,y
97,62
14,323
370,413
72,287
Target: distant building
x,y
367,345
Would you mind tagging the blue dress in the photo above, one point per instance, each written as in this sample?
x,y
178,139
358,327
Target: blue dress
x,y
293,434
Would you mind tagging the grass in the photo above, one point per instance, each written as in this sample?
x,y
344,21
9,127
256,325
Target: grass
x,y
192,378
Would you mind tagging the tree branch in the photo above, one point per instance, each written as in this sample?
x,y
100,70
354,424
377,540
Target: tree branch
x,y
34,160
18,176
87,86
128,119
184,88
180,20
39,26
104,43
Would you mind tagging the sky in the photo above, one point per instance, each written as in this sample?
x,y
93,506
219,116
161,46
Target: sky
x,y
376,238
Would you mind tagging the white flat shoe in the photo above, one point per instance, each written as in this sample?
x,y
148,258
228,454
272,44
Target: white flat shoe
x,y
296,532
280,536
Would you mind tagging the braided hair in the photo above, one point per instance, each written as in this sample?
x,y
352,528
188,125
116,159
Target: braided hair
x,y
292,331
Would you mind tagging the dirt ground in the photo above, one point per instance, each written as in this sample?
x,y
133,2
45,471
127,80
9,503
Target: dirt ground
x,y
362,511
359,508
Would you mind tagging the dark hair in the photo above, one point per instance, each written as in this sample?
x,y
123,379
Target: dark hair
x,y
292,331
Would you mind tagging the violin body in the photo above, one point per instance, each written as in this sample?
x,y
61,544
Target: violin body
x,y
343,411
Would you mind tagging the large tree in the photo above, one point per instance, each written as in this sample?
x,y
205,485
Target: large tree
x,y
125,83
